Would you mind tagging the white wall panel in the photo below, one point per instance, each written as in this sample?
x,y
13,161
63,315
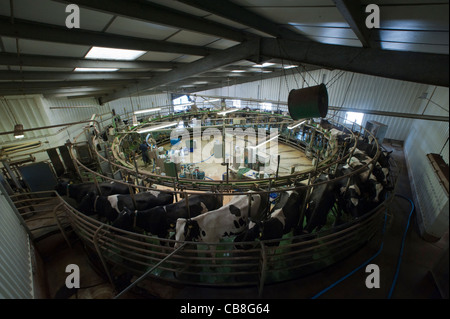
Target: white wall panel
x,y
345,89
16,280
429,137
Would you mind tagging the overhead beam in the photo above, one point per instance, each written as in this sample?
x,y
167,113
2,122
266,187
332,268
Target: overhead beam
x,y
238,52
66,91
353,13
18,85
425,117
239,14
417,67
152,12
24,29
67,62
71,76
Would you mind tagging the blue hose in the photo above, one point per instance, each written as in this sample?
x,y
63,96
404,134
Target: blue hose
x,y
358,268
403,245
376,254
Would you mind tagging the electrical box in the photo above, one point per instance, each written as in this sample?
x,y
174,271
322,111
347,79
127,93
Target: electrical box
x,y
170,169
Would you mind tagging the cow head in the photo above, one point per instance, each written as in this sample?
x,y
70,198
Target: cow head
x,y
61,187
374,188
384,157
125,220
187,230
254,231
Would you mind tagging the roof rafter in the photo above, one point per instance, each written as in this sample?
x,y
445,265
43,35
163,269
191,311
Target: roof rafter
x,y
68,62
352,13
417,67
24,29
151,12
239,14
73,76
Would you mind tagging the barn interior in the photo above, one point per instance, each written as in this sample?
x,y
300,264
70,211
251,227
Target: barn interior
x,y
84,84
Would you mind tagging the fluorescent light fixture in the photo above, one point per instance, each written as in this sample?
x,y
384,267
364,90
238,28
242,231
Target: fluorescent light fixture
x,y
265,142
289,66
158,127
298,124
18,131
92,119
264,65
184,104
147,110
113,54
228,111
213,100
95,70
238,71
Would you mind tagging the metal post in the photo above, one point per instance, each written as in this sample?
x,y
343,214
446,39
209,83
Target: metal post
x,y
148,272
59,224
186,197
132,196
262,277
99,252
96,186
11,174
308,191
278,166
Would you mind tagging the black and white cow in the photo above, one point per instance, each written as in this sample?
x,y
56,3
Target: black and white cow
x,y
283,218
110,206
78,191
320,203
226,221
159,220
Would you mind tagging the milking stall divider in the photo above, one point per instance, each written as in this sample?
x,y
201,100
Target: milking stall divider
x,y
267,261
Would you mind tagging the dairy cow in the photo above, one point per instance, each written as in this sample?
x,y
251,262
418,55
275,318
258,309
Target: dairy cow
x,y
110,206
226,221
78,191
283,218
159,220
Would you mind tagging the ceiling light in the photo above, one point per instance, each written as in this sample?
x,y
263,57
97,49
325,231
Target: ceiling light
x,y
95,70
238,71
265,142
155,128
229,111
113,54
148,110
264,65
18,131
290,66
298,124
184,104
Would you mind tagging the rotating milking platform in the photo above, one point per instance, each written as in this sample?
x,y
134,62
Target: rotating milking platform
x,y
294,256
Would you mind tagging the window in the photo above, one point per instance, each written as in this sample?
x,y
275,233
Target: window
x,y
266,106
356,117
181,103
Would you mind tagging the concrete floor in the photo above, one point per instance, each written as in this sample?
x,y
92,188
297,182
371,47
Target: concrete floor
x,y
414,281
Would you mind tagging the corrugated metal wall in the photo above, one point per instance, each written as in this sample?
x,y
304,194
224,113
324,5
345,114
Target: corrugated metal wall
x,y
345,89
16,281
429,137
128,105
